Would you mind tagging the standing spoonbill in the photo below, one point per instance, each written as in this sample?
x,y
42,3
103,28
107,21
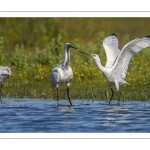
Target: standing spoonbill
x,y
5,72
118,61
62,74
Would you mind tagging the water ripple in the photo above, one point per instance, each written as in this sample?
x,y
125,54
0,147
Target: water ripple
x,y
38,115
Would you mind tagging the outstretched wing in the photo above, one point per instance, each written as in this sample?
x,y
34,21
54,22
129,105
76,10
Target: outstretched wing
x,y
134,46
110,45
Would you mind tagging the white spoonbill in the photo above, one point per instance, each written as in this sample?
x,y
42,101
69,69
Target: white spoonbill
x,y
118,61
62,74
5,72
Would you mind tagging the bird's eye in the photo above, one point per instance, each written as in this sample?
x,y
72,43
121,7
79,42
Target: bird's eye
x,y
94,55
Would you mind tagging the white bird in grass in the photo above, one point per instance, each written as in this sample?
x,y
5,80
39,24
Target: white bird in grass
x,y
62,74
5,72
118,61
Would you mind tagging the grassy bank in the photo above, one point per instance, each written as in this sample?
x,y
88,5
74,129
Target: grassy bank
x,y
33,46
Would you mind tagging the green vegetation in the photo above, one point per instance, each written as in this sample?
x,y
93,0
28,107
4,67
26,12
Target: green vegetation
x,y
33,46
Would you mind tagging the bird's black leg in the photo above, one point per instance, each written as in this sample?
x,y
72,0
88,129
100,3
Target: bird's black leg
x,y
57,95
118,98
112,94
68,95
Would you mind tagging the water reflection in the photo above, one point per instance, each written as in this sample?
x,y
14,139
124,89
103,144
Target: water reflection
x,y
64,108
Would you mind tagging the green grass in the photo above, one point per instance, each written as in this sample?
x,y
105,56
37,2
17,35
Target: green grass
x,y
33,46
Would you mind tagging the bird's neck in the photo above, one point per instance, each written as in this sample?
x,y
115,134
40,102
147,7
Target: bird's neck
x,y
67,58
99,65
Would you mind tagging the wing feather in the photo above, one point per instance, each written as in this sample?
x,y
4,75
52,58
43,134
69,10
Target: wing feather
x,y
134,46
55,77
110,45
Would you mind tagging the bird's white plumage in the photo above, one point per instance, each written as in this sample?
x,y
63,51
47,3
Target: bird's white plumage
x,y
110,45
134,46
61,75
5,72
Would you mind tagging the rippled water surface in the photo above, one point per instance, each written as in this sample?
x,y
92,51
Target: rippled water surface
x,y
38,115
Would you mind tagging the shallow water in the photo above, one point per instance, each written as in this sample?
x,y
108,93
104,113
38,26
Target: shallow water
x,y
44,116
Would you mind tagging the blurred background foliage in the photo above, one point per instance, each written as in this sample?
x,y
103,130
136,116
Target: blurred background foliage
x,y
33,46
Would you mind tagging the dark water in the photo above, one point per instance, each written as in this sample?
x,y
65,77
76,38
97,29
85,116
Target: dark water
x,y
43,116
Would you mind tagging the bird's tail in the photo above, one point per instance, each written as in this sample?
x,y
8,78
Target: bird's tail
x,y
124,82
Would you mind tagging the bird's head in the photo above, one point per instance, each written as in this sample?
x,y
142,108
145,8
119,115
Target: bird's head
x,y
95,56
68,45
